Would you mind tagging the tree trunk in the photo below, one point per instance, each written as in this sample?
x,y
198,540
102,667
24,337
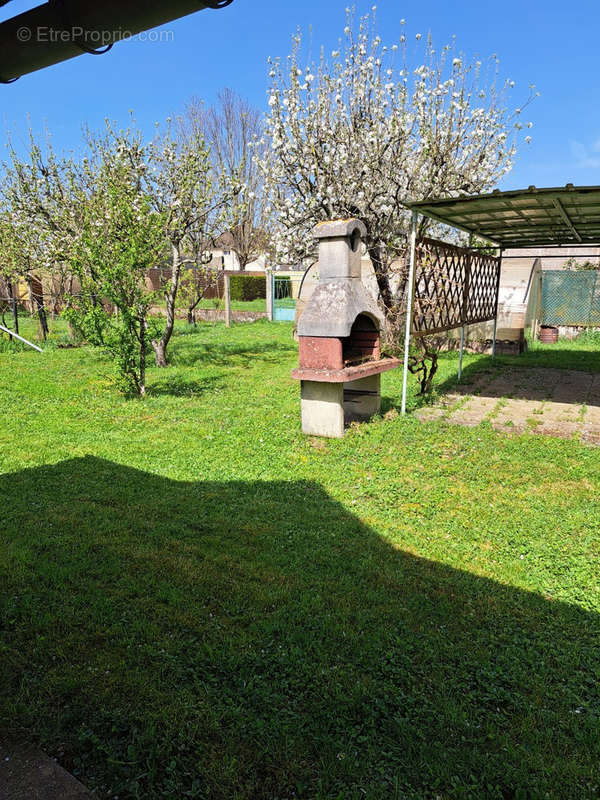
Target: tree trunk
x,y
15,309
381,270
37,303
42,317
142,380
69,326
160,345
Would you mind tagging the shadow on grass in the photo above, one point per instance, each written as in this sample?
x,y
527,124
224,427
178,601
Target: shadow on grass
x,y
178,386
517,378
257,640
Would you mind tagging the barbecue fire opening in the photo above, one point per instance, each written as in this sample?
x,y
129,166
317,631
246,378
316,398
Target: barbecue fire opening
x,y
362,344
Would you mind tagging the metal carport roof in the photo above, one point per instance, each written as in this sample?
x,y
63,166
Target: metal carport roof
x,y
524,218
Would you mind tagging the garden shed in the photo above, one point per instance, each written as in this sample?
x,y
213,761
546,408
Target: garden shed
x,y
526,218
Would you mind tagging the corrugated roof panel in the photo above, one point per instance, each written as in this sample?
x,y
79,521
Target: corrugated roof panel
x,y
523,218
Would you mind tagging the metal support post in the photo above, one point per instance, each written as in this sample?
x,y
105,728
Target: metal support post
x,y
496,314
270,280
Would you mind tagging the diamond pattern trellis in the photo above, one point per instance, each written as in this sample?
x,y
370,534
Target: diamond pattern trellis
x,y
454,286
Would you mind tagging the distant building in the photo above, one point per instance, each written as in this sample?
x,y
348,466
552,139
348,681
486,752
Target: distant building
x,y
224,257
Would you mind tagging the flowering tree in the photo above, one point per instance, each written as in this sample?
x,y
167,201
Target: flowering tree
x,y
373,126
12,266
121,238
181,188
91,218
20,246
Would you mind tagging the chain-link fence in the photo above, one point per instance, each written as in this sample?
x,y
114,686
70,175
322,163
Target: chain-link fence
x,y
571,298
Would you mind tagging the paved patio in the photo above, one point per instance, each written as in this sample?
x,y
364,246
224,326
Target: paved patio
x,y
551,402
28,774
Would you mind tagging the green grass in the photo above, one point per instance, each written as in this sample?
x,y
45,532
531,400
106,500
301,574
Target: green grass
x,y
582,353
259,304
198,601
29,328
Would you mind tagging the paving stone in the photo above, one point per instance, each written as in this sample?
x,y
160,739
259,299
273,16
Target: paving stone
x,y
430,413
550,402
28,774
593,397
592,416
474,411
574,387
562,412
561,430
514,415
591,436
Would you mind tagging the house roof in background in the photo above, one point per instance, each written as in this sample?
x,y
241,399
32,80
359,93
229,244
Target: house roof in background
x,y
532,217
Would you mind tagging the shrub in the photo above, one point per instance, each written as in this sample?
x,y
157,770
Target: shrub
x,y
247,287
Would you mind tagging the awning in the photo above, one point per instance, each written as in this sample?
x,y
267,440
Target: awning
x,y
523,218
62,29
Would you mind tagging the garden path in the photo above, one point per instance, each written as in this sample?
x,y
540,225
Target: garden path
x,y
552,402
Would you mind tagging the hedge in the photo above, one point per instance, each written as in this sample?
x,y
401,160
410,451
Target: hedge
x,y
247,287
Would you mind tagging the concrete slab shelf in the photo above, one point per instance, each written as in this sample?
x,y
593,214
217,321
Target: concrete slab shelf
x,y
348,373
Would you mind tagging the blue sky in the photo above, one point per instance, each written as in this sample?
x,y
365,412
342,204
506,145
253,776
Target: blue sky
x,y
549,43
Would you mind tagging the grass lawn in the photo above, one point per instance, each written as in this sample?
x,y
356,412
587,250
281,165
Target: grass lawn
x,y
259,304
196,601
218,304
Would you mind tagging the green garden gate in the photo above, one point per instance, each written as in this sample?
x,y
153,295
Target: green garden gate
x,y
285,294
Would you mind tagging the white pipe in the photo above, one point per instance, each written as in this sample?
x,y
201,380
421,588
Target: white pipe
x,y
20,338
409,302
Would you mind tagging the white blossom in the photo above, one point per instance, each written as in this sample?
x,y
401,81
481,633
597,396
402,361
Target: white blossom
x,y
373,130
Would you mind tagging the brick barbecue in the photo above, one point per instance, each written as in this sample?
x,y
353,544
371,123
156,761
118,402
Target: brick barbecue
x,y
340,362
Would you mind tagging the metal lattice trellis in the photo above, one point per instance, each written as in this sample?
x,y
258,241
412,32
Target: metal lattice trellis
x,y
571,298
453,286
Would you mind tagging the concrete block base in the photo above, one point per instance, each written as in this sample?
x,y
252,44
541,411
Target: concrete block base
x,y
326,407
322,408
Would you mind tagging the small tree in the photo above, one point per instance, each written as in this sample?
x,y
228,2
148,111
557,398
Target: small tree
x,y
181,187
196,281
45,197
11,266
121,239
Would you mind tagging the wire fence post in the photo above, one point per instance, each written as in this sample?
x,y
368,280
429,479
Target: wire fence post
x,y
409,302
227,301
